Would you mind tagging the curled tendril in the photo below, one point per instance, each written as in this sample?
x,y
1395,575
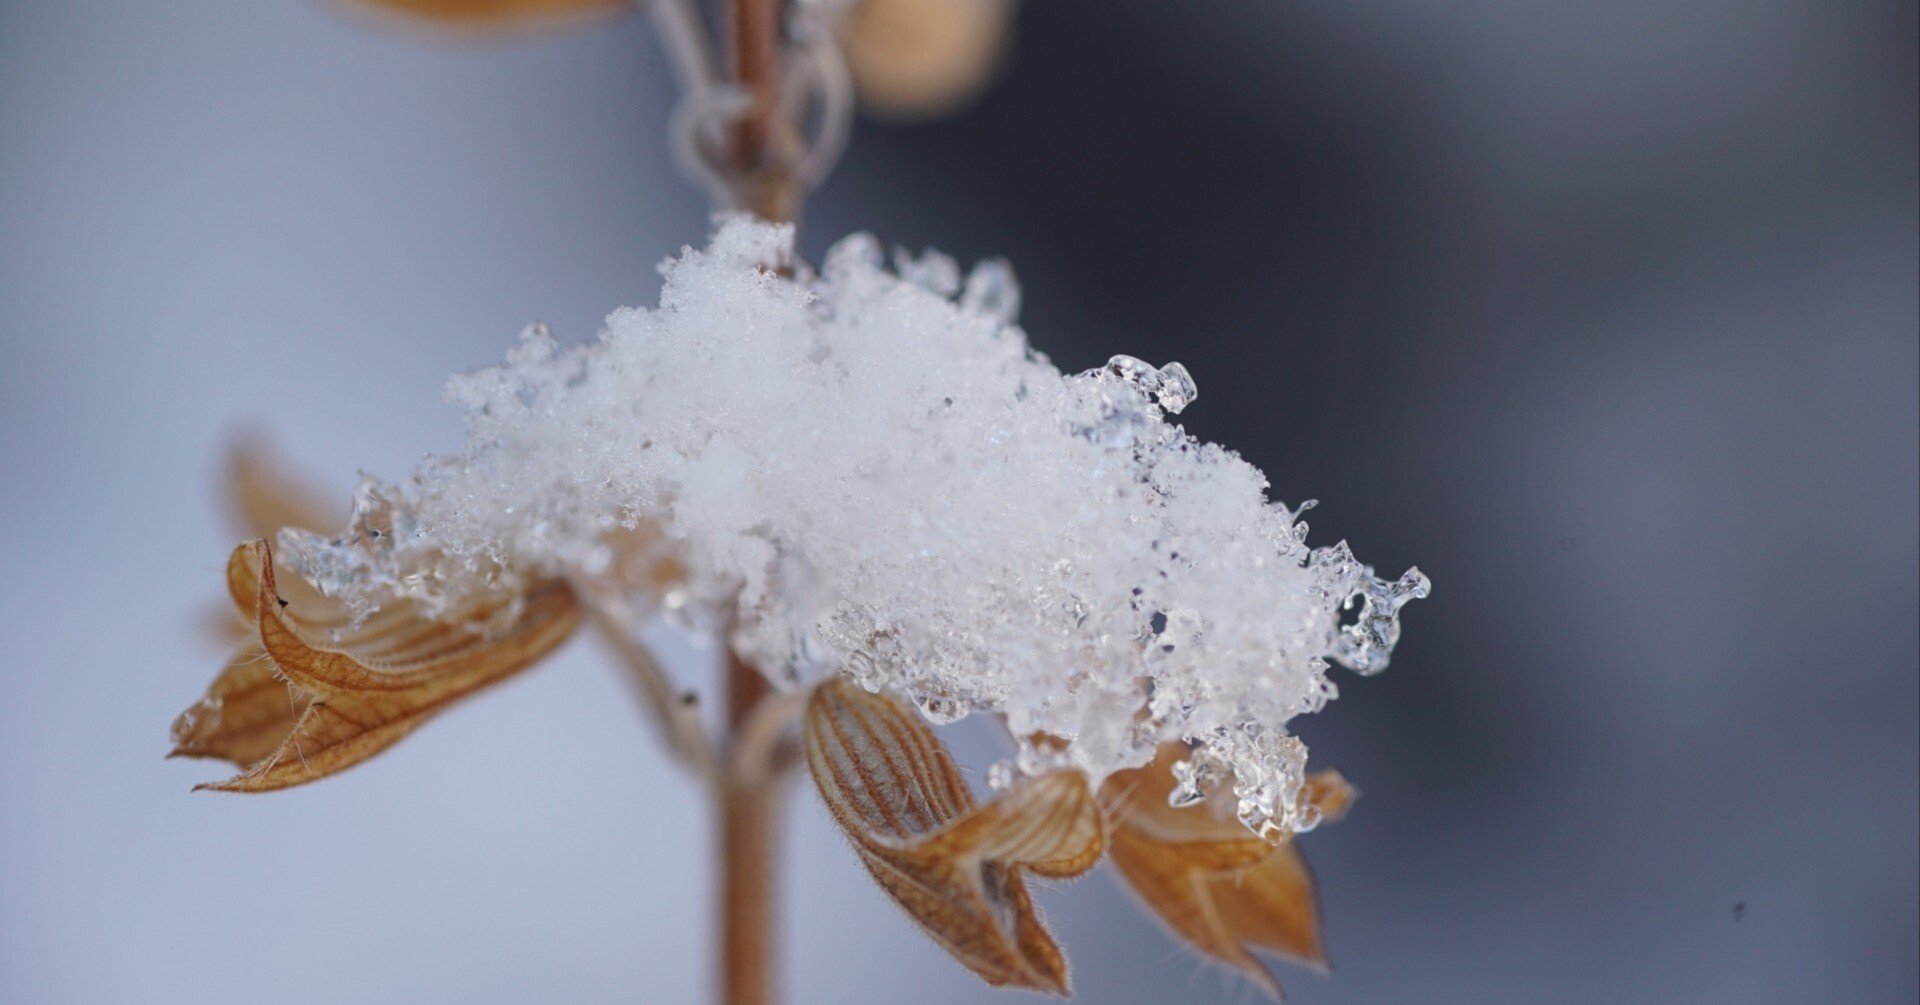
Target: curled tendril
x,y
818,76
817,86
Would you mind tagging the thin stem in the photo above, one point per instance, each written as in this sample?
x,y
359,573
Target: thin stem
x,y
743,134
761,750
764,170
762,162
677,720
760,150
749,810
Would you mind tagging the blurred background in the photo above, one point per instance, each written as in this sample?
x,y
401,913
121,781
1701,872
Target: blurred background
x,y
1602,313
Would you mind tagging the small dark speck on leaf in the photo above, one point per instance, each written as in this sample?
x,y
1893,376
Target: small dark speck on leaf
x,y
689,697
283,602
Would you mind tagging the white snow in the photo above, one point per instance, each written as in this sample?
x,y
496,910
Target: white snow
x,y
888,481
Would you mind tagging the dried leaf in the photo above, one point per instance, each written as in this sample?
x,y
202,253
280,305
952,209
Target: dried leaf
x,y
493,13
958,868
322,692
1273,906
263,496
1217,885
919,59
1330,793
245,716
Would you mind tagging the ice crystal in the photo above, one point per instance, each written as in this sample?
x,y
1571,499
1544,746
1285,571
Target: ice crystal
x,y
871,472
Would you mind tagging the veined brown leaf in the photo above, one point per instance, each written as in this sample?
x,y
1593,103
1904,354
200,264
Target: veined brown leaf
x,y
1217,885
321,692
246,714
958,868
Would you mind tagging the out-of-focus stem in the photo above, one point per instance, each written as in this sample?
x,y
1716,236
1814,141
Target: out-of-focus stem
x,y
678,722
760,170
685,41
760,152
749,812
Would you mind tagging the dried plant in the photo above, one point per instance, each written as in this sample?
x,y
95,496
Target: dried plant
x,y
984,535
956,867
1223,890
325,690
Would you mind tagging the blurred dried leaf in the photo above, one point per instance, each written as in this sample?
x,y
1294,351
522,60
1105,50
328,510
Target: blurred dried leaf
x,y
260,495
1217,885
1330,793
956,867
292,710
498,13
919,59
263,495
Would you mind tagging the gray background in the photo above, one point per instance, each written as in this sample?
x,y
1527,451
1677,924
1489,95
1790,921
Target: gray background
x,y
1603,313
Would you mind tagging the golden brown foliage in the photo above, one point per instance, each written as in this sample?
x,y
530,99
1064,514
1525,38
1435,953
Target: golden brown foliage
x,y
1217,885
316,690
956,867
324,691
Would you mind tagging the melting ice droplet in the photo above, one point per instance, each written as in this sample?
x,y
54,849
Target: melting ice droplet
x,y
941,709
1171,387
1193,779
1135,371
1177,389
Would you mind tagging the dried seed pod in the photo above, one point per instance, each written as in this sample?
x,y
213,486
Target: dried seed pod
x,y
956,867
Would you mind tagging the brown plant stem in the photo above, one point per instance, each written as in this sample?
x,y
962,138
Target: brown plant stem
x,y
677,718
762,146
749,809
761,156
